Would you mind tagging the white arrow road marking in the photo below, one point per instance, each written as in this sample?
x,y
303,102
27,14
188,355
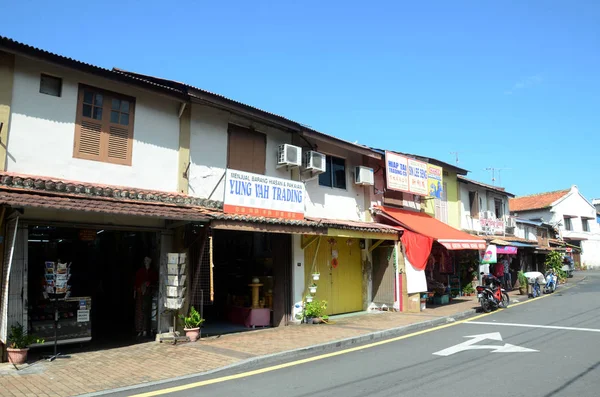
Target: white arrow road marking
x,y
471,344
534,326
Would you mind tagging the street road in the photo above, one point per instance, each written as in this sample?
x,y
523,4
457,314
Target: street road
x,y
545,347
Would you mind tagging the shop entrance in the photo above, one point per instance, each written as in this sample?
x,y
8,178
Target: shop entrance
x,y
244,261
101,267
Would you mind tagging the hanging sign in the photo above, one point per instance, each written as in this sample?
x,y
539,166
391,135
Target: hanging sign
x,y
435,181
83,316
490,255
263,196
396,167
87,235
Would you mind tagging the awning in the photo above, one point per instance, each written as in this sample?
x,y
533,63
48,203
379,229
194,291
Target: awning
x,y
523,245
419,222
101,205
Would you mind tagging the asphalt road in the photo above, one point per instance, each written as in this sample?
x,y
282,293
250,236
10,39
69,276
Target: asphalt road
x,y
513,356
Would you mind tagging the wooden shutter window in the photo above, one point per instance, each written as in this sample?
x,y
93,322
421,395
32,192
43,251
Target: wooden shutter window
x,y
104,126
246,150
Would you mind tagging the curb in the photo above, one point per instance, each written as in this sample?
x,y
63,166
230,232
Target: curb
x,y
290,354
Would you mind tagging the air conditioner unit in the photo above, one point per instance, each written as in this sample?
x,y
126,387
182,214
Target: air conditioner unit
x,y
364,176
315,162
289,156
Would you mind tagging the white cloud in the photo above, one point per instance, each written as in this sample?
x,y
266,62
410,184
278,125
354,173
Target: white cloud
x,y
525,83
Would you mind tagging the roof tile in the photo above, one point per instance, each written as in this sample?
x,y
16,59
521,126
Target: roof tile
x,y
535,201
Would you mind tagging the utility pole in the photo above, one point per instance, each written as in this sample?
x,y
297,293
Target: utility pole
x,y
493,169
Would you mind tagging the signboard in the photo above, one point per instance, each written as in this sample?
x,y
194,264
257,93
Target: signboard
x,y
83,316
491,226
260,195
435,182
417,177
87,235
490,255
396,167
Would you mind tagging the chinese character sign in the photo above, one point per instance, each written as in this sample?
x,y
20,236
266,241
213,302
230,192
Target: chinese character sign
x,y
434,181
417,177
396,167
263,196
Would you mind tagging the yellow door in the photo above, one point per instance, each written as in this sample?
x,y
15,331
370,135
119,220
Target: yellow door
x,y
341,286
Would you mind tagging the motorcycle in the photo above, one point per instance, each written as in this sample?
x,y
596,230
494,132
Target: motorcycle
x,y
491,295
551,282
536,280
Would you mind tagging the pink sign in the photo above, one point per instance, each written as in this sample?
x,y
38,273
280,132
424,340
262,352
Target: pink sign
x,y
507,250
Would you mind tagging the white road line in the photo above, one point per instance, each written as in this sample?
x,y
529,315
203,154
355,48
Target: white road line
x,y
533,326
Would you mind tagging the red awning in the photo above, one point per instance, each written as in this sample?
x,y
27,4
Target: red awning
x,y
419,222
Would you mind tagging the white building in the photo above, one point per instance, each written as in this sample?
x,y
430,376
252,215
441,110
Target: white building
x,y
484,208
571,213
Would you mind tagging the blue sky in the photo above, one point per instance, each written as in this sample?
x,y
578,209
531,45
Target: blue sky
x,y
508,84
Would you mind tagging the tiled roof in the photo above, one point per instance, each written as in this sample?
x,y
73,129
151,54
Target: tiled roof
x,y
485,185
100,205
12,181
535,201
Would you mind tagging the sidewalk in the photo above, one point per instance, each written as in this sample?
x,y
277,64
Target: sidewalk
x,y
89,372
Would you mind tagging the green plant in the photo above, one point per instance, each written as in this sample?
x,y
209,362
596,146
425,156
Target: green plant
x,y
193,320
554,260
468,289
315,308
522,279
19,339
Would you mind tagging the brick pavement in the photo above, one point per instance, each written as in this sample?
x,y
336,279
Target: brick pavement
x,y
99,370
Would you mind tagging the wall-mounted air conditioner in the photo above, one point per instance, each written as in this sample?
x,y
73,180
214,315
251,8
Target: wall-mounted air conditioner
x,y
315,162
289,156
364,176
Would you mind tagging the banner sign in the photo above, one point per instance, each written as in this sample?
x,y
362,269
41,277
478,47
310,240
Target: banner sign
x,y
263,196
491,226
507,250
490,255
396,167
417,177
435,181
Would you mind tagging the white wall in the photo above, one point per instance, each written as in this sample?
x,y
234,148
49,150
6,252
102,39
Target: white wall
x,y
333,203
208,150
42,132
487,203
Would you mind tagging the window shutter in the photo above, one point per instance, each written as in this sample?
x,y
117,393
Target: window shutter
x,y
96,137
476,206
246,150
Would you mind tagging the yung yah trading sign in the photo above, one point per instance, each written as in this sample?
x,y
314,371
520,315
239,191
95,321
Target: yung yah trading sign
x,y
412,176
259,195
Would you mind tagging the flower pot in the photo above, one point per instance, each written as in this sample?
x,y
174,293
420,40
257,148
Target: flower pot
x,y
522,291
17,356
313,290
309,299
317,320
309,320
192,333
316,276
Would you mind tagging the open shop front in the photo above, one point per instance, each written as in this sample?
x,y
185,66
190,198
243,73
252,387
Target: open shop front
x,y
243,280
440,259
94,278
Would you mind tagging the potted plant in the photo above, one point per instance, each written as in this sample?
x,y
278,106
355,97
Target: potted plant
x,y
522,282
18,344
313,288
468,290
315,311
191,324
316,276
309,298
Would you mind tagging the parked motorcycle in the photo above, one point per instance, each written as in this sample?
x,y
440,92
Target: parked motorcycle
x,y
491,295
535,280
551,282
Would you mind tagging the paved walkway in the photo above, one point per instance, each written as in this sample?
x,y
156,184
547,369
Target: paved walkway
x,y
94,371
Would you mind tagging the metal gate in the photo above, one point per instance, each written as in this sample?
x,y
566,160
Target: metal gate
x,y
383,275
17,290
10,237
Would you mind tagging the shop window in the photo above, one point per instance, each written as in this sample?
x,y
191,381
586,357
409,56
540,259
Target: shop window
x,y
104,126
568,223
335,174
246,150
585,224
50,85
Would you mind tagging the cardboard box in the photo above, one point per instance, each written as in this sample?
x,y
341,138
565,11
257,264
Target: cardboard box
x,y
413,303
